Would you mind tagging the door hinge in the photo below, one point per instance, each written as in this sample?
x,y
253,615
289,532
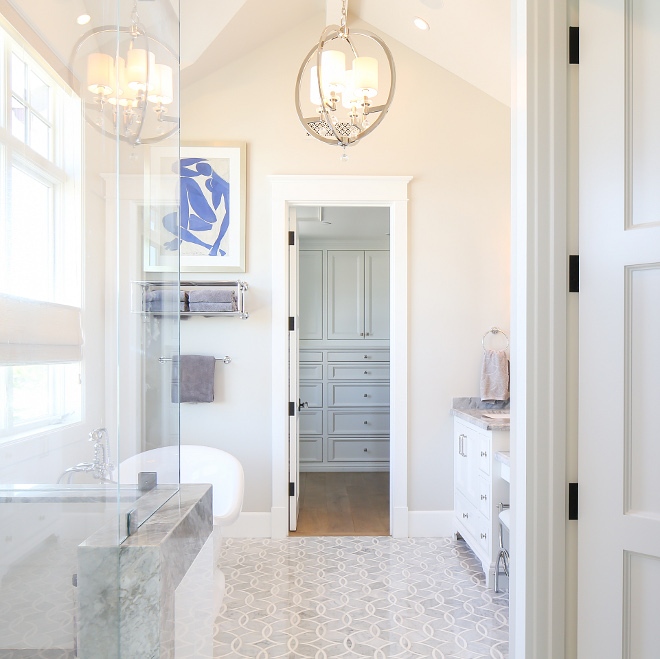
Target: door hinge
x,y
573,45
292,489
292,237
572,501
292,409
574,273
292,323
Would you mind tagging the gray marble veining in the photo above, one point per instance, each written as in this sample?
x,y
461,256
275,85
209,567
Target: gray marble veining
x,y
133,584
472,410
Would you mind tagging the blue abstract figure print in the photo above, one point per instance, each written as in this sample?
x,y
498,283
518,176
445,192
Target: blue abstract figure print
x,y
204,216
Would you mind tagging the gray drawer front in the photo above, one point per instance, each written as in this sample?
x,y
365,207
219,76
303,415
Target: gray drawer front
x,y
311,371
342,449
358,356
359,423
311,449
311,356
344,394
310,423
312,393
358,372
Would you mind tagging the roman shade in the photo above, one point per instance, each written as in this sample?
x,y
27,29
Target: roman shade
x,y
34,332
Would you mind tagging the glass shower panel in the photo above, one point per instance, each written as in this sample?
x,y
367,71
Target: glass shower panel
x,y
89,307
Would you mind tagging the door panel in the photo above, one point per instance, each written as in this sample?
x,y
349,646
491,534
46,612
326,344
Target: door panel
x,y
619,523
377,294
345,294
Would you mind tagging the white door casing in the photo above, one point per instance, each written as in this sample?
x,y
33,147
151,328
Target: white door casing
x,y
387,191
294,377
619,449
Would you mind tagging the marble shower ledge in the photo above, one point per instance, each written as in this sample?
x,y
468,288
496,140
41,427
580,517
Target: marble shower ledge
x,y
472,410
134,583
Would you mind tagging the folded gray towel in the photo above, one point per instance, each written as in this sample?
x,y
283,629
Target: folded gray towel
x,y
213,306
193,379
217,294
160,294
165,305
495,375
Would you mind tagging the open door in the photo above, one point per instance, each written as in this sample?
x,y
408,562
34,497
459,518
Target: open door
x,y
294,390
619,437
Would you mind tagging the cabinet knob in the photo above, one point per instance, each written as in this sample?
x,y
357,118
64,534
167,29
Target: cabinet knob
x,y
366,422
361,333
465,515
367,333
366,372
483,536
366,357
365,450
484,454
483,497
365,395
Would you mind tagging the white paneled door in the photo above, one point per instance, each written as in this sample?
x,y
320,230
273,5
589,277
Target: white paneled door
x,y
619,437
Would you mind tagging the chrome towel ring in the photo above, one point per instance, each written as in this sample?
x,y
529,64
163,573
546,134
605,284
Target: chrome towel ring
x,y
494,330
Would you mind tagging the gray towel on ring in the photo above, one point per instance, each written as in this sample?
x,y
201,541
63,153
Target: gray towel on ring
x,y
495,375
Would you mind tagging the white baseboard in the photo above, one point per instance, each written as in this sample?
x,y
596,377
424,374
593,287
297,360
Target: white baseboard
x,y
332,468
249,525
430,523
399,523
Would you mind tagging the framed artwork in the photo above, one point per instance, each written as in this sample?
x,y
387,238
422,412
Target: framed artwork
x,y
206,231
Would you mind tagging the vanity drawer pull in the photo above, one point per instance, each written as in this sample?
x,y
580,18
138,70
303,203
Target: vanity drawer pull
x,y
483,497
483,536
484,454
465,515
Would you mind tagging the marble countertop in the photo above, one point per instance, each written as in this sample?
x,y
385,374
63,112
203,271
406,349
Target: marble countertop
x,y
504,457
473,410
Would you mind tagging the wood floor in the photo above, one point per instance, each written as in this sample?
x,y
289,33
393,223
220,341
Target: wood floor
x,y
350,503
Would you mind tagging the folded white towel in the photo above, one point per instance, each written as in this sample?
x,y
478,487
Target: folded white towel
x,y
495,375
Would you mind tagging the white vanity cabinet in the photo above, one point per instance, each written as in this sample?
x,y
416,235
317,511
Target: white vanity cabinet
x,y
479,489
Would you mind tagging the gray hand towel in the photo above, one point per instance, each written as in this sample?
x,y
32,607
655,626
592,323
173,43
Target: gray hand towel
x,y
213,306
163,294
217,294
161,305
193,379
495,375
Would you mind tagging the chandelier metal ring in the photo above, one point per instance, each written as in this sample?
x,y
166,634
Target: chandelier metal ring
x,y
133,32
329,34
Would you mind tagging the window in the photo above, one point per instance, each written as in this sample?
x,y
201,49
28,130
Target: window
x,y
40,244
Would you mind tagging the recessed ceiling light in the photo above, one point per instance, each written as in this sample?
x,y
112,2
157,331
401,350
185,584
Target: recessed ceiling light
x,y
421,23
83,19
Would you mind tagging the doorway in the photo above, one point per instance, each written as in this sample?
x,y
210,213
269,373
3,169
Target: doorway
x,y
341,287
388,192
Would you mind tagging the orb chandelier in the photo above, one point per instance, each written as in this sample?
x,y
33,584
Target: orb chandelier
x,y
128,82
344,98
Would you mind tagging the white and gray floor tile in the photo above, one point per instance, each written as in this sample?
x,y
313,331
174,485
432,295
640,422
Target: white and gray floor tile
x,y
351,597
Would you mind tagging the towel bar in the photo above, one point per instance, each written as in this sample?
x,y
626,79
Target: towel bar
x,y
494,330
225,359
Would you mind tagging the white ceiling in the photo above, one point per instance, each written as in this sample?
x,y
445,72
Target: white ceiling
x,y
343,223
470,38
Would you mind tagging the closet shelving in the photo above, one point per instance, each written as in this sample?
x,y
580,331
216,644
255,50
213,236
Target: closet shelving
x,y
141,288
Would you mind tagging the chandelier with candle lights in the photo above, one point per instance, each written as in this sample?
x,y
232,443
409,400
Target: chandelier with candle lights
x,y
127,81
344,99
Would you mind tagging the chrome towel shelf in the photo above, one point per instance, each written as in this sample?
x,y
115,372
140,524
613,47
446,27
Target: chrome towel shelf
x,y
224,360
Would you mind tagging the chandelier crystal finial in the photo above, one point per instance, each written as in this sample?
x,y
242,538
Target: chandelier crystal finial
x,y
343,99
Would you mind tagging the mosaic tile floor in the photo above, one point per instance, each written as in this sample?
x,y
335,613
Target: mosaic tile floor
x,y
380,597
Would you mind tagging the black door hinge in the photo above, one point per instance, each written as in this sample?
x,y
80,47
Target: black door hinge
x,y
292,323
292,489
292,238
573,45
574,273
292,409
572,501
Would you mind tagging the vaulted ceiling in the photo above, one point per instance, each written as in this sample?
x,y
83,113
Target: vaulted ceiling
x,y
470,38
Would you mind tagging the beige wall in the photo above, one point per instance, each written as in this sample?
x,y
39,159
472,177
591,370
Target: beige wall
x,y
454,140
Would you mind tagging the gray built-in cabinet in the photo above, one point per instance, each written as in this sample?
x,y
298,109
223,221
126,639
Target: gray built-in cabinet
x,y
344,359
